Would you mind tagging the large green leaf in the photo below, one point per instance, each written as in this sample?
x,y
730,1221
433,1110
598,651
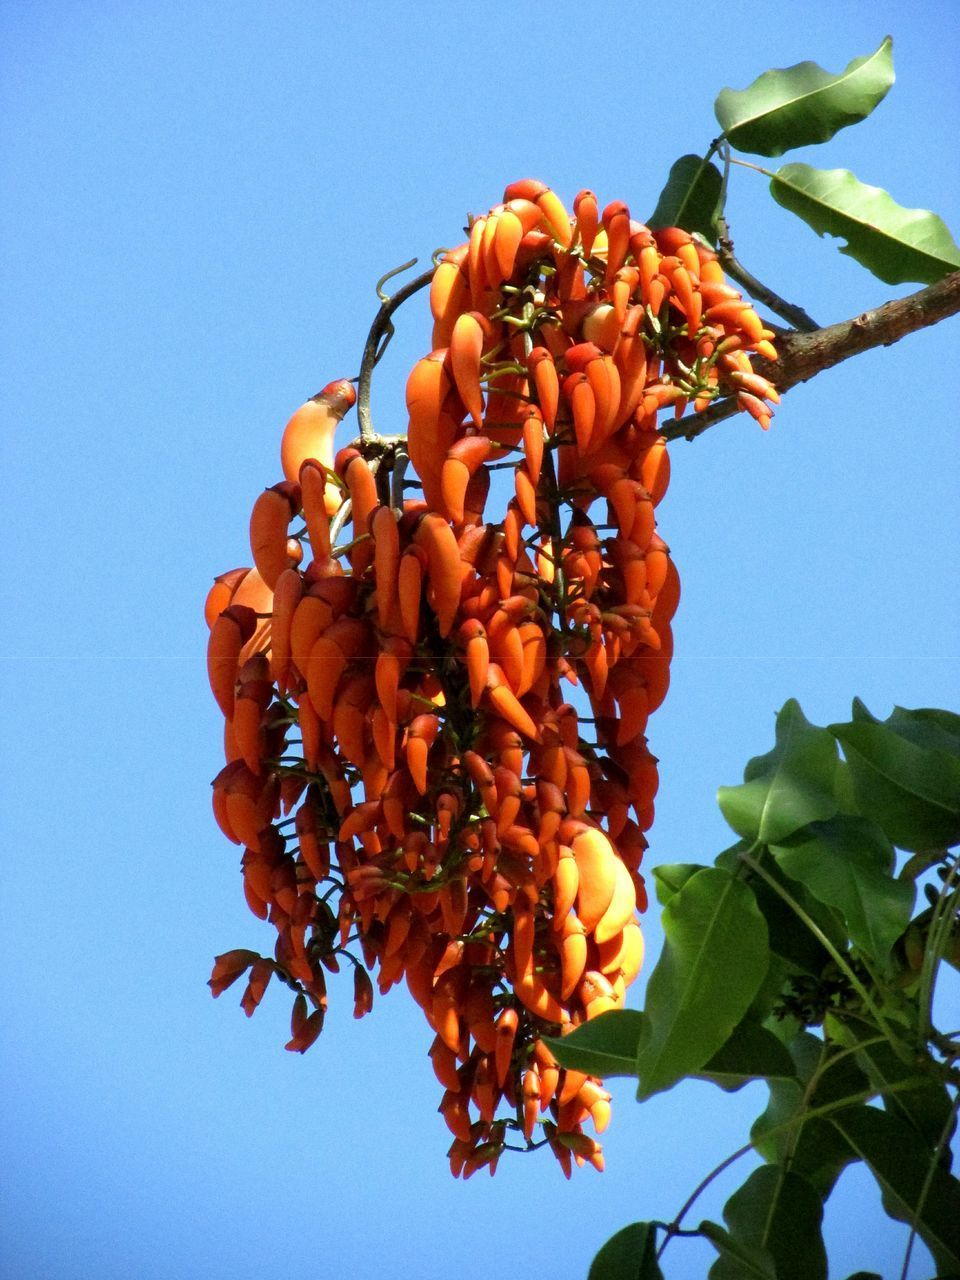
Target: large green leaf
x,y
715,956
742,1261
913,792
778,1211
899,1160
631,1254
751,1053
691,197
769,992
788,787
803,104
729,858
814,1148
846,863
925,726
604,1046
790,938
895,243
672,876
926,1108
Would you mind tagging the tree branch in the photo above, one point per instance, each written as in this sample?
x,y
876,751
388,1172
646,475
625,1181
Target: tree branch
x,y
756,288
380,333
804,355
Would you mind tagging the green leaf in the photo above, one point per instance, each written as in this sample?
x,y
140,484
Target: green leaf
x,y
729,859
605,1046
925,1108
846,863
814,1148
926,726
803,104
778,1212
770,990
945,724
899,1160
895,243
913,792
843,789
741,1261
631,1254
673,876
751,1053
691,197
788,787
790,938
714,958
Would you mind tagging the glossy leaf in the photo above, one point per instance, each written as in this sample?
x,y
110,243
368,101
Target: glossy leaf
x,y
691,197
926,1108
604,1046
672,876
846,863
714,958
789,786
815,1149
741,1261
780,1213
925,726
790,938
803,104
899,1160
631,1254
751,1053
729,859
895,243
769,992
913,792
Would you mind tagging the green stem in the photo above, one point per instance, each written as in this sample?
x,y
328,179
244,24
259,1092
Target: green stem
x,y
745,164
348,546
673,1228
822,938
941,924
927,1183
853,1099
808,1092
821,1069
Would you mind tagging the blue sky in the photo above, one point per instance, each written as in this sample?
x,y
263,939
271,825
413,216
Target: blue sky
x,y
198,201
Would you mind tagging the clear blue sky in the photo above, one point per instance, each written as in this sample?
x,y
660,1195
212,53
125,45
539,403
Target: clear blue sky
x,y
198,201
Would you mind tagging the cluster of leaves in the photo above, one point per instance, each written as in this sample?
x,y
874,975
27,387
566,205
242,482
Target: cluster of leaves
x,y
802,106
797,959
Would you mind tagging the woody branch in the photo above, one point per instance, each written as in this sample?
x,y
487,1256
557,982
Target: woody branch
x,y
804,355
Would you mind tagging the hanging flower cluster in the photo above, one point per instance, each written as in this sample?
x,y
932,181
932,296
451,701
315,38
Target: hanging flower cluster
x,y
410,769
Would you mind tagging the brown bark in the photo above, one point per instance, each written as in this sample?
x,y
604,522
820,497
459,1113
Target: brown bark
x,y
804,355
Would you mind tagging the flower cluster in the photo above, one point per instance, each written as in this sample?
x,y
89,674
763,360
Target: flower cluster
x,y
435,731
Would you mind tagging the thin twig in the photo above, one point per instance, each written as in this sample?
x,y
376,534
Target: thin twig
x,y
927,1183
339,520
673,1228
941,924
377,340
763,294
734,267
825,1109
397,473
